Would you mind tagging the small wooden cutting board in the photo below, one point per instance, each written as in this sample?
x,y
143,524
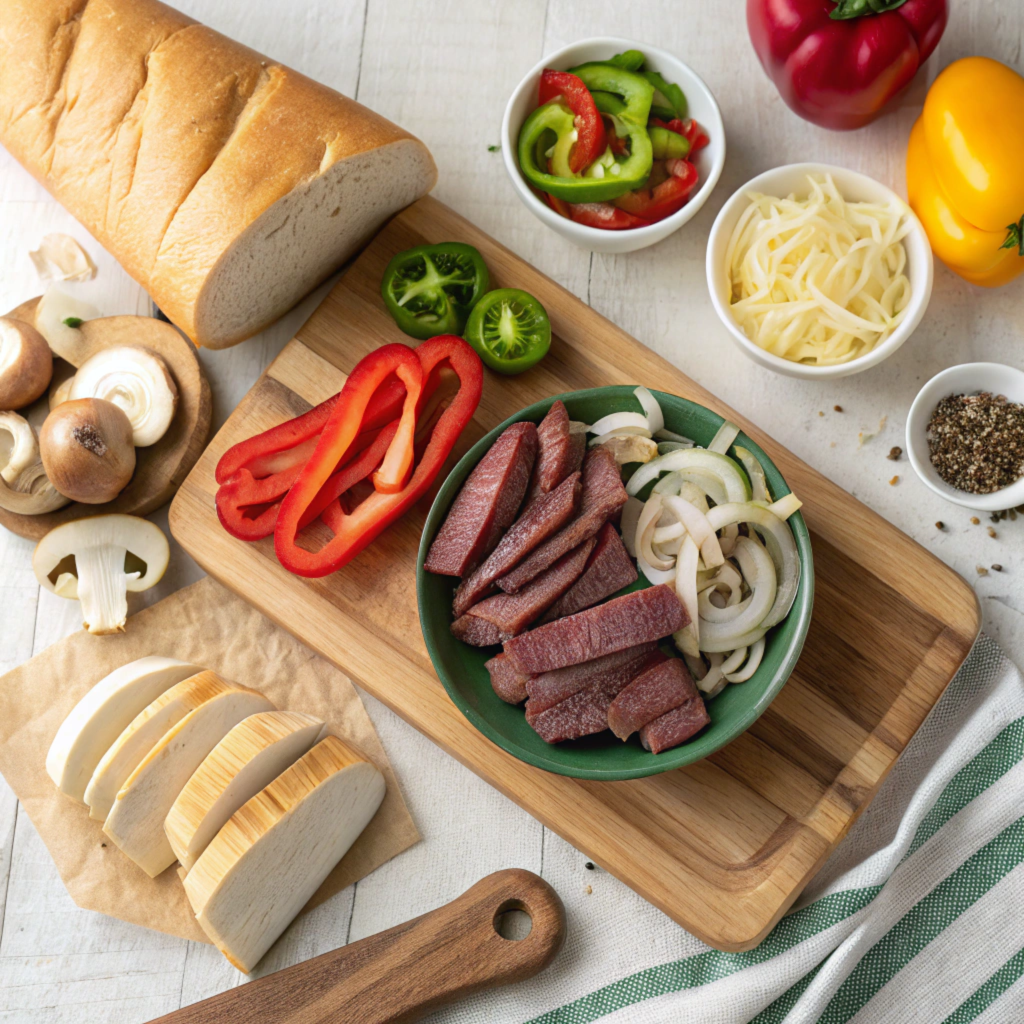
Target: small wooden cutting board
x,y
725,846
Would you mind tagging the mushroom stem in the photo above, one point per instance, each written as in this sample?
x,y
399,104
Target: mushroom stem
x,y
102,587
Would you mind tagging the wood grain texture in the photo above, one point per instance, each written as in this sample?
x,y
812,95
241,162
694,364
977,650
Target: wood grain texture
x,y
401,974
159,468
725,846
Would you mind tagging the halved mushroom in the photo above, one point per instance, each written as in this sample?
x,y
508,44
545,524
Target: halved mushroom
x,y
631,448
138,382
58,316
87,560
26,364
24,485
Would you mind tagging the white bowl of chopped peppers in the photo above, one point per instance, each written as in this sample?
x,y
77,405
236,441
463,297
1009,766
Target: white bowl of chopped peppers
x,y
965,435
613,144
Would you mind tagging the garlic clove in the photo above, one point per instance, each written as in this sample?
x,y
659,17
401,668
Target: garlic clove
x,y
57,316
60,258
99,546
26,364
138,382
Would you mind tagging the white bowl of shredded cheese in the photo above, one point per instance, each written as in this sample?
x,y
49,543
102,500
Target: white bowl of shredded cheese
x,y
818,271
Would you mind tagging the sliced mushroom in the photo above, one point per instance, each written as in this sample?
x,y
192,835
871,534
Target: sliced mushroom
x,y
631,448
24,485
60,391
58,315
98,576
138,382
26,364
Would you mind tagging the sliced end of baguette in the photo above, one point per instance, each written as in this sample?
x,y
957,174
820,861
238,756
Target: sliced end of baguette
x,y
311,231
267,862
142,733
103,714
249,758
135,823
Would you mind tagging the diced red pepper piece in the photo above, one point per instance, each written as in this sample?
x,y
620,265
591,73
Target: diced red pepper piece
x,y
590,141
355,530
604,215
654,204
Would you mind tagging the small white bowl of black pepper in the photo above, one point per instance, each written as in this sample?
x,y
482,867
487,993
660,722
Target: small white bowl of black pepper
x,y
965,436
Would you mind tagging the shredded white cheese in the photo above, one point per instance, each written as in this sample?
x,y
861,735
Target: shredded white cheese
x,y
819,280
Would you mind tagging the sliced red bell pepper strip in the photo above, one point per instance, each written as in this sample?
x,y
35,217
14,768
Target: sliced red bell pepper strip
x,y
595,215
654,204
280,447
260,470
590,141
353,531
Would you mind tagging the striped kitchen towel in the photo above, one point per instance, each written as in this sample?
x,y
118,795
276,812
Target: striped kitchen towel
x,y
917,918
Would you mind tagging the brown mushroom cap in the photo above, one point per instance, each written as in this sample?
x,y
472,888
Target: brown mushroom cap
x,y
87,451
26,364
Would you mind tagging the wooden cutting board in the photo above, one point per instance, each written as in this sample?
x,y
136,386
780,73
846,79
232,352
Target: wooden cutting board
x,y
725,846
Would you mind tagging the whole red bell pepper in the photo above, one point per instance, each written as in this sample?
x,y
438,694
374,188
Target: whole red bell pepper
x,y
354,530
838,62
590,131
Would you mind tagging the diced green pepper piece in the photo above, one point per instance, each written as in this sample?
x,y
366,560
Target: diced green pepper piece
x,y
608,102
628,60
668,145
669,100
552,124
636,92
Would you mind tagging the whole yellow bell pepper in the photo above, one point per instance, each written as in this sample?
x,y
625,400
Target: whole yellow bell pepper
x,y
965,170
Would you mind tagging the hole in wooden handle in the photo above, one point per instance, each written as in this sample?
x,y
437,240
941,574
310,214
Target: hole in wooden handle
x,y
512,920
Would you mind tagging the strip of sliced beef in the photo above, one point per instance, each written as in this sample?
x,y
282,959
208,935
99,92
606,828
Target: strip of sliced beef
x,y
560,453
546,516
551,688
507,683
603,495
675,727
608,570
656,692
586,712
499,618
486,505
622,622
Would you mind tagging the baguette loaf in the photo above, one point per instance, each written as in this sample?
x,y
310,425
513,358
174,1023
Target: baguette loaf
x,y
227,185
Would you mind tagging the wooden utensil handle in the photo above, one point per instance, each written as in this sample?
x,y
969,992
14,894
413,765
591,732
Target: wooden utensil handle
x,y
401,974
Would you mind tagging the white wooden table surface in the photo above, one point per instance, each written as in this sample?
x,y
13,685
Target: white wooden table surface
x,y
444,69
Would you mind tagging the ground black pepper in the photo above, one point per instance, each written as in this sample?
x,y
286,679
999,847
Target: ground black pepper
x,y
977,442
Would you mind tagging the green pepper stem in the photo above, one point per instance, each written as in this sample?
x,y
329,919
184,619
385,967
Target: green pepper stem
x,y
1015,237
846,9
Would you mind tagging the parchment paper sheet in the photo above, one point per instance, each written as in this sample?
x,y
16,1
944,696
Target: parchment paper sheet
x,y
205,624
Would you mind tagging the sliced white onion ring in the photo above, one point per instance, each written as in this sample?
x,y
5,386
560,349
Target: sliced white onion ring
x,y
781,546
759,572
786,506
645,528
724,469
655,418
722,441
620,432
618,420
697,526
733,662
630,517
752,665
758,481
668,435
688,638
655,576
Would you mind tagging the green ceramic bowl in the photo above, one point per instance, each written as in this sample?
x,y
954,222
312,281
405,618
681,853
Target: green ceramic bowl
x,y
603,757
